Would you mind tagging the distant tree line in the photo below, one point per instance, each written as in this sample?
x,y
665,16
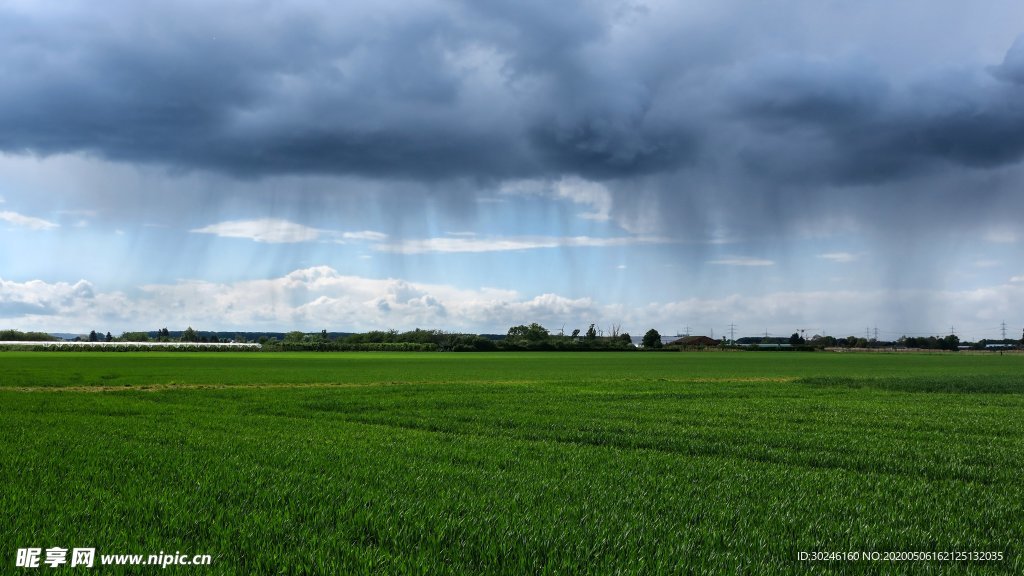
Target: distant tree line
x,y
19,336
189,334
951,342
534,337
379,340
524,337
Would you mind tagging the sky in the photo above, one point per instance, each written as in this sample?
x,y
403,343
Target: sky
x,y
835,167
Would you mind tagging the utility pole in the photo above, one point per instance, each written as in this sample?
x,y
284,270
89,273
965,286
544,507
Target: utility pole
x,y
732,332
1004,329
876,333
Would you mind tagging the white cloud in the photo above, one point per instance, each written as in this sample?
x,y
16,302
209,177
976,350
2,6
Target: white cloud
x,y
368,235
592,194
742,261
270,230
278,231
310,299
38,298
1017,278
29,222
502,244
466,245
572,188
976,313
839,257
987,263
320,297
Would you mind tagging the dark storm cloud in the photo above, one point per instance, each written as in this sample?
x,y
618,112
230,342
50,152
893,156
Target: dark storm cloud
x,y
417,91
856,128
713,118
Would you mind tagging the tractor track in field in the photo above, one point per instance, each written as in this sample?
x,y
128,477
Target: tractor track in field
x,y
174,386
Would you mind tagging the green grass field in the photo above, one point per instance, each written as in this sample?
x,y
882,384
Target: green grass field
x,y
515,463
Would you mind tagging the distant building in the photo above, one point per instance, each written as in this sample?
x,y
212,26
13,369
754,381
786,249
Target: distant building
x,y
999,346
695,342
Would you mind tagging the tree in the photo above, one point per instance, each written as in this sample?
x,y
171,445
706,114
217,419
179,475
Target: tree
x,y
823,341
536,333
94,337
951,342
517,332
576,334
795,339
591,333
189,335
626,338
532,333
652,339
109,338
